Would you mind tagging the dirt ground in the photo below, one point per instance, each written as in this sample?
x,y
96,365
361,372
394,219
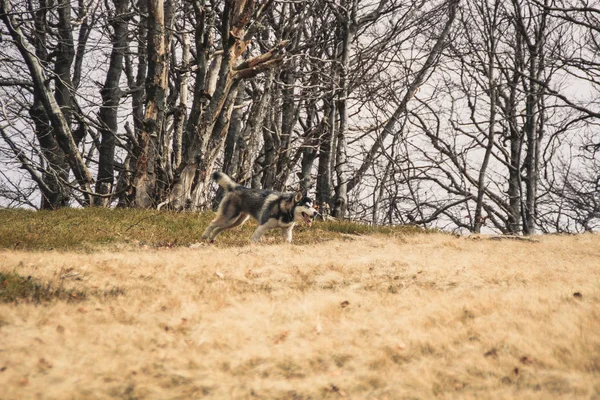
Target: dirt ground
x,y
425,316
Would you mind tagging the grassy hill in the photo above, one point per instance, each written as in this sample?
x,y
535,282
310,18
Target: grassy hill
x,y
123,308
93,228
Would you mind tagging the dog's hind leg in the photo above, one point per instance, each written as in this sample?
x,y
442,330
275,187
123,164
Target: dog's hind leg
x,y
208,230
229,224
215,225
226,215
241,219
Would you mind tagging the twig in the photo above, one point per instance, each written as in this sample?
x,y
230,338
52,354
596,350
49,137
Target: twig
x,y
514,237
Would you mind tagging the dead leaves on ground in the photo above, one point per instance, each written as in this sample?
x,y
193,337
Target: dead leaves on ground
x,y
493,353
281,337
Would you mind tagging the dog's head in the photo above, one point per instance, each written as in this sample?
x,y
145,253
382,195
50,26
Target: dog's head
x,y
303,208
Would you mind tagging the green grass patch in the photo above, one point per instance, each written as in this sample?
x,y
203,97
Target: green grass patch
x,y
86,229
356,228
90,228
15,288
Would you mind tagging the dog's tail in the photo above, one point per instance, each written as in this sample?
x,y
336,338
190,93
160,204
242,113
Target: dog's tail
x,y
224,181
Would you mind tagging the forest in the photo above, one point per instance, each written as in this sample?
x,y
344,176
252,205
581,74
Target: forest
x,y
461,115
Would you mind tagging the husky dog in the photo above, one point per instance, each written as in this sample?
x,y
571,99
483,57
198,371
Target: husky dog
x,y
270,209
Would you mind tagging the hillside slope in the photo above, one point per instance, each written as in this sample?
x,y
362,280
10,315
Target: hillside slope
x,y
421,316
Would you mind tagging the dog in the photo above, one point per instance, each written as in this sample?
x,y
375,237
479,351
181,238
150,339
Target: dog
x,y
269,208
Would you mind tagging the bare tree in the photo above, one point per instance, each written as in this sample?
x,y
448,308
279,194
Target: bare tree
x,y
59,123
111,96
459,115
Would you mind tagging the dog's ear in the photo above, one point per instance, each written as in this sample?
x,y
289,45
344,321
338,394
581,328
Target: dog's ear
x,y
298,197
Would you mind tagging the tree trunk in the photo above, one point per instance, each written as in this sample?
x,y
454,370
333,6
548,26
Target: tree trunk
x,y
516,145
137,85
534,97
156,88
84,33
289,117
491,54
324,168
110,103
203,41
181,111
250,137
64,59
231,153
348,30
270,143
191,186
60,125
309,152
532,155
55,193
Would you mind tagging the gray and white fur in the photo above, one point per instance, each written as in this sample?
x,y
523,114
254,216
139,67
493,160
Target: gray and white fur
x,y
269,208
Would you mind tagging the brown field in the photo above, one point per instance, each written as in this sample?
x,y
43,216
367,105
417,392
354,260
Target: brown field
x,y
373,316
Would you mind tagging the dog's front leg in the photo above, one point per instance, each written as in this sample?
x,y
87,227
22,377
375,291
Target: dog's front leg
x,y
262,228
287,234
259,232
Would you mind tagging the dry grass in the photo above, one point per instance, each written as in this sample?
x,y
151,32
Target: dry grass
x,y
420,316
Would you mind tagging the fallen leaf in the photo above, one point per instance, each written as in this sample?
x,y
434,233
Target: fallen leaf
x,y
219,275
491,353
578,295
336,389
526,360
82,310
45,363
345,303
318,328
281,337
